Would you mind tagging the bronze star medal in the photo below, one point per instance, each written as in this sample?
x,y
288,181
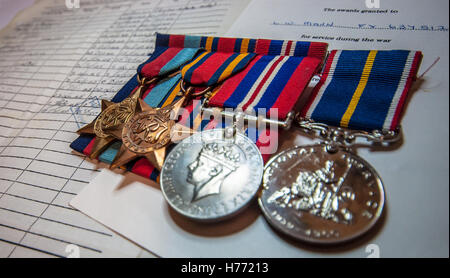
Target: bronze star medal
x,y
147,134
108,125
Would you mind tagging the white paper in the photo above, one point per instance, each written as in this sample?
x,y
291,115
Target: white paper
x,y
134,207
56,63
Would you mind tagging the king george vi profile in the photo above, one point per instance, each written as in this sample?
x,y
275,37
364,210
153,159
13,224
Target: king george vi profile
x,y
208,171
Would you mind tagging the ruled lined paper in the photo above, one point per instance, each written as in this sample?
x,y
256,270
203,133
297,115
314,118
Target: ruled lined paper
x,y
56,64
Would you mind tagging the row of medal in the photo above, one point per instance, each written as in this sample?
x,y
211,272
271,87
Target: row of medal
x,y
322,193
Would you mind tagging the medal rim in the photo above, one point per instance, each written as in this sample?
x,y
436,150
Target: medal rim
x,y
221,217
325,241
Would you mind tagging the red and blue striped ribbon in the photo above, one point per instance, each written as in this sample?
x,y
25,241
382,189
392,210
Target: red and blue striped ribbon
x,y
165,60
244,45
211,68
272,83
362,89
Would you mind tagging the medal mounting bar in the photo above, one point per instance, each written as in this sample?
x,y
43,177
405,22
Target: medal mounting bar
x,y
286,124
345,136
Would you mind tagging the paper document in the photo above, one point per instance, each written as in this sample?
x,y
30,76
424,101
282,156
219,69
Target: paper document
x,y
56,64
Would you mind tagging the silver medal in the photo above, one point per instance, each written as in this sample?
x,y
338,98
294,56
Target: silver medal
x,y
322,197
211,176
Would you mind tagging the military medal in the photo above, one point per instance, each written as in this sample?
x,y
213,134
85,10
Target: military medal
x,y
109,124
212,175
222,167
319,196
112,118
265,82
148,134
325,193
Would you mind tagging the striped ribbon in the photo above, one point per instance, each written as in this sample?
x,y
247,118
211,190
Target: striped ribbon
x,y
273,80
273,83
362,89
210,68
243,45
165,60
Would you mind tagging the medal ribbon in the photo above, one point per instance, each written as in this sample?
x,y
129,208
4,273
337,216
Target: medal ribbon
x,y
165,60
243,45
269,82
274,78
207,70
363,90
210,68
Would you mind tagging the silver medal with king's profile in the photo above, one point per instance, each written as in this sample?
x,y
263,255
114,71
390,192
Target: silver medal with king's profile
x,y
315,195
211,176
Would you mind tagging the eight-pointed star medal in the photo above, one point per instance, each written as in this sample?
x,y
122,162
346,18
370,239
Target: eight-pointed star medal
x,y
147,134
108,125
